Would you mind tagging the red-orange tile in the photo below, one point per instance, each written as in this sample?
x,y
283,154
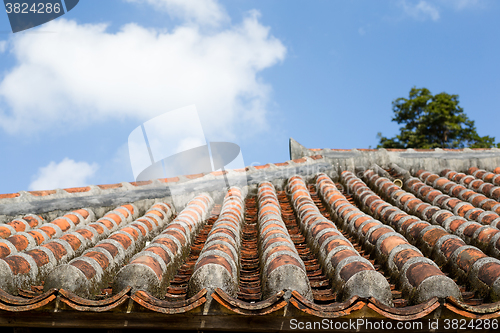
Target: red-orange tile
x,y
198,175
141,183
77,189
9,195
42,193
109,186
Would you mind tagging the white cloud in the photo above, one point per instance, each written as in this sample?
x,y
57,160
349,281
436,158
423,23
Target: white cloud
x,y
67,173
115,169
462,4
200,11
3,46
466,3
84,74
422,10
364,29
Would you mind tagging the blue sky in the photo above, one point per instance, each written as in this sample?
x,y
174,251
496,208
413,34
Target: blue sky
x,y
259,72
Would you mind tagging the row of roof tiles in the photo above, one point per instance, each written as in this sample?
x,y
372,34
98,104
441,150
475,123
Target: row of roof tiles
x,y
14,241
23,269
95,268
62,301
407,150
21,224
464,209
478,181
152,268
218,265
474,225
344,265
348,270
467,262
282,267
419,276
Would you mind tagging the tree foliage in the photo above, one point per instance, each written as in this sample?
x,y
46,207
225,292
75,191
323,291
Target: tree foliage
x,y
433,121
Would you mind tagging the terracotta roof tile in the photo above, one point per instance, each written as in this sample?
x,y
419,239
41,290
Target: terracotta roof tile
x,y
25,223
198,175
218,173
218,262
42,193
305,245
169,180
141,183
260,167
9,195
109,186
173,243
77,189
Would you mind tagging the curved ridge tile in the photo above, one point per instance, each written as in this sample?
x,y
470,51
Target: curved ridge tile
x,y
489,308
75,299
22,270
171,311
335,310
347,270
88,273
29,307
488,193
16,300
23,241
419,277
153,267
469,263
271,304
469,312
454,214
282,267
219,262
485,176
457,194
21,224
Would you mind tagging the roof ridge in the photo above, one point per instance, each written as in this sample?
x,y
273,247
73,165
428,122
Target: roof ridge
x,y
28,198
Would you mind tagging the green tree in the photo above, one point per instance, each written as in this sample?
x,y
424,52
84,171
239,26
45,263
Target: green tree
x,y
433,121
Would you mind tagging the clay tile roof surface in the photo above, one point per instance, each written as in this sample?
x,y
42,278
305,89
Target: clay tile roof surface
x,y
395,235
